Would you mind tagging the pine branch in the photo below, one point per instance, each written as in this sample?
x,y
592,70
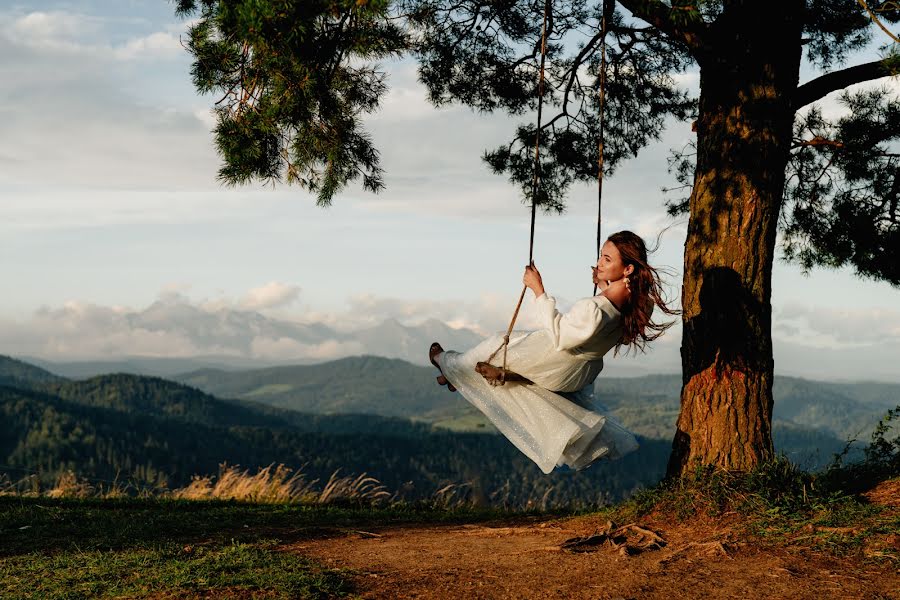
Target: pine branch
x,y
660,16
836,80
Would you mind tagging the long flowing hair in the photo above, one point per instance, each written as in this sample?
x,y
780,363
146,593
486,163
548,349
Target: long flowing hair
x,y
638,329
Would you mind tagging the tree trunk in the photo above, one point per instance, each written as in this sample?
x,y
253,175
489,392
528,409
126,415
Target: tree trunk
x,y
743,144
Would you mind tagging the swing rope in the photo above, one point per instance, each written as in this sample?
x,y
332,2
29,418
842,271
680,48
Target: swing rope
x,y
608,6
486,368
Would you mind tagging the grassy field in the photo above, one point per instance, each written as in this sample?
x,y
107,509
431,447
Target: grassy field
x,y
168,547
151,547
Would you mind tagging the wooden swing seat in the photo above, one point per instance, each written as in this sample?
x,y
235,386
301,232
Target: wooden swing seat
x,y
498,375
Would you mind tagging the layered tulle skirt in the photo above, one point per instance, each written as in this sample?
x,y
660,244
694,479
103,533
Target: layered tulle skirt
x,y
556,421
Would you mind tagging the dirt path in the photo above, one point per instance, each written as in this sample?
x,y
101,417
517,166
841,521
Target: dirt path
x,y
525,560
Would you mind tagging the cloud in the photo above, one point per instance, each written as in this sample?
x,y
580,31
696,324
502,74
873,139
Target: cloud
x,y
55,30
66,33
176,326
160,44
839,327
272,295
487,314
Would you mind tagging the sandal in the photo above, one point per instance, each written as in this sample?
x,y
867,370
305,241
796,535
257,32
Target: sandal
x,y
433,351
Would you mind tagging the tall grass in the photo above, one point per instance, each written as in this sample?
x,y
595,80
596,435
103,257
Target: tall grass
x,y
280,484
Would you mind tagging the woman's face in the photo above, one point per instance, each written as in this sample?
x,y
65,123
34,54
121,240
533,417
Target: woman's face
x,y
610,266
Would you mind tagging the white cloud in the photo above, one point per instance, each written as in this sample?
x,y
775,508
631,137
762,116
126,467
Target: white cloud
x,y
838,327
175,326
160,44
56,30
486,315
272,295
64,33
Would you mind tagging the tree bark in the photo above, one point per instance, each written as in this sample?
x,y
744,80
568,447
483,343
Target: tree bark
x,y
743,143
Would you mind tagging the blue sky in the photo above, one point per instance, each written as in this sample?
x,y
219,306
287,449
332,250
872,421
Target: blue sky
x,y
109,205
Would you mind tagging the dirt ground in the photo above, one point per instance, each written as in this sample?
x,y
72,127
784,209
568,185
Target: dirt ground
x,y
525,559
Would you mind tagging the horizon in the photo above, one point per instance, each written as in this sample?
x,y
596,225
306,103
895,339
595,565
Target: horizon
x,y
143,366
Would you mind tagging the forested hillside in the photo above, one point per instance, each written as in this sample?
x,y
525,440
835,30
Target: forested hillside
x,y
361,384
51,435
156,432
17,372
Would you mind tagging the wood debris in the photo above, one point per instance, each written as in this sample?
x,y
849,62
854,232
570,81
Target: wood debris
x,y
627,540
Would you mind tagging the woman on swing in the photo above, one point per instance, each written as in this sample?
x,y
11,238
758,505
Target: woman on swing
x,y
552,416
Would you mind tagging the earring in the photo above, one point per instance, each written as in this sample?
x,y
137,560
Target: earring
x,y
627,287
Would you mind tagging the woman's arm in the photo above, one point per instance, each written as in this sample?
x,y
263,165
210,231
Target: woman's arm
x,y
573,328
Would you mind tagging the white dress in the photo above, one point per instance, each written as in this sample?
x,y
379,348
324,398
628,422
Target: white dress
x,y
556,421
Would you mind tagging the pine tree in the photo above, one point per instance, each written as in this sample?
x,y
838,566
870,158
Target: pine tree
x,y
297,75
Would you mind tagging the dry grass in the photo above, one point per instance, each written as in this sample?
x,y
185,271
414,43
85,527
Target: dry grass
x,y
268,485
355,489
280,484
68,485
275,484
453,495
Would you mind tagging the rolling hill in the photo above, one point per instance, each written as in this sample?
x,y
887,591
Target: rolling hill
x,y
18,373
648,405
363,384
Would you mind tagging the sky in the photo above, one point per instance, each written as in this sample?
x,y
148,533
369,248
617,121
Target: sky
x,y
114,230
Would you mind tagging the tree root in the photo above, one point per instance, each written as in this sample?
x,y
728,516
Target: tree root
x,y
714,547
628,540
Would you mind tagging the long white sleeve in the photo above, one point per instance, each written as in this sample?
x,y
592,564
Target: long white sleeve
x,y
573,328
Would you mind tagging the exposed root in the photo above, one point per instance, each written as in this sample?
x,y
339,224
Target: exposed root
x,y
714,547
628,540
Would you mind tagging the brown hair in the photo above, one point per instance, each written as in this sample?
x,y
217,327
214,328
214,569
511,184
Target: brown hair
x,y
646,292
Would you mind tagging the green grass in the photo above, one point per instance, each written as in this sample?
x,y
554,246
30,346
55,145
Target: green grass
x,y
140,547
234,569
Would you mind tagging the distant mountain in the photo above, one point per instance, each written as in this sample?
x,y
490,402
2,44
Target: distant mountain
x,y
135,394
886,395
362,384
648,405
391,339
846,410
21,374
156,397
149,365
